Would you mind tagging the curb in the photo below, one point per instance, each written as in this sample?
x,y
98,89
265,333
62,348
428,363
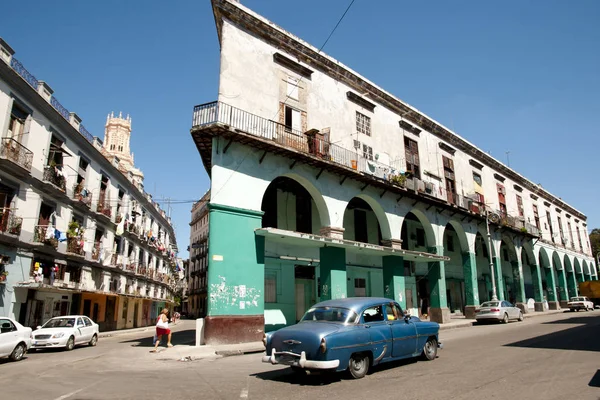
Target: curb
x,y
457,326
230,353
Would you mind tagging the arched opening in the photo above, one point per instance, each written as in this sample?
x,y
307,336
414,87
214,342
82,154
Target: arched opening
x,y
417,237
510,271
361,223
484,276
530,274
586,271
571,279
456,280
579,271
548,278
561,284
289,206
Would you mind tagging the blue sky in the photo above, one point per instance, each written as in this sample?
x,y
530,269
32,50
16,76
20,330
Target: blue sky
x,y
516,76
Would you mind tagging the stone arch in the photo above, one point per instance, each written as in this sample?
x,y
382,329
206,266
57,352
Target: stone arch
x,y
461,281
461,234
384,223
430,237
299,187
561,276
509,280
578,270
532,280
483,259
571,279
586,270
548,278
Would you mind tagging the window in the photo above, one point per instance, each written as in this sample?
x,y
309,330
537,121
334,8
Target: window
x,y
477,179
579,239
367,152
80,322
360,226
292,88
570,233
502,199
449,178
520,206
125,304
536,216
391,313
560,229
450,243
7,326
373,314
271,288
420,237
550,224
292,119
16,126
360,287
411,150
363,124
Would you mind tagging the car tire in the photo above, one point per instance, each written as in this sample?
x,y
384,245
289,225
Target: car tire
x,y
521,317
505,319
358,365
70,344
18,353
94,340
430,349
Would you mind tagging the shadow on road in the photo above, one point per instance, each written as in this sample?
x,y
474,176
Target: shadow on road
x,y
287,375
581,320
595,382
180,337
584,337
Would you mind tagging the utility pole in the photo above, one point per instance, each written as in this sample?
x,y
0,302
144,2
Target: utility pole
x,y
489,238
507,158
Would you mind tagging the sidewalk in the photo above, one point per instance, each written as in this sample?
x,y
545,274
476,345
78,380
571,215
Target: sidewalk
x,y
119,332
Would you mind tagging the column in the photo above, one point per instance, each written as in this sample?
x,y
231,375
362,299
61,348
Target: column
x,y
235,276
438,304
332,280
580,277
394,286
551,288
538,293
572,283
471,288
519,286
562,287
497,261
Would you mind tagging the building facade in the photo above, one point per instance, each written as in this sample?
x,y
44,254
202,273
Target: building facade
x,y
198,263
324,185
78,236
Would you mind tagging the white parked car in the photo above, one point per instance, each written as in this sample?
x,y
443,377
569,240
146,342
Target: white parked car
x,y
580,303
498,310
67,332
15,339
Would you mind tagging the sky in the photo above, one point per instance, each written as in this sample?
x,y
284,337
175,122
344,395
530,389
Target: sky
x,y
519,79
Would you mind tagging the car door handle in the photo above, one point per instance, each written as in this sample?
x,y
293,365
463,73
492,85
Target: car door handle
x,y
367,326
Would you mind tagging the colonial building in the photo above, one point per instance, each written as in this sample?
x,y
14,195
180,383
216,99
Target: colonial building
x,y
77,233
117,136
198,263
324,185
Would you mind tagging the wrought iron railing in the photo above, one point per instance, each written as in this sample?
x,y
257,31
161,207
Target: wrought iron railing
x,y
39,236
14,151
55,176
9,222
59,107
75,246
21,70
96,251
84,132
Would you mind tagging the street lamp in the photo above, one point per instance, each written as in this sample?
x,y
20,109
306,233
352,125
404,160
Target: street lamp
x,y
489,238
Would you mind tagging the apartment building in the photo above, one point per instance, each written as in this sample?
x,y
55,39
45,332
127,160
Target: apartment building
x,y
78,234
324,185
198,264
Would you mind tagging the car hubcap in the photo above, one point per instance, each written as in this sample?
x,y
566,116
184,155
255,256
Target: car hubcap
x,y
429,348
358,364
19,352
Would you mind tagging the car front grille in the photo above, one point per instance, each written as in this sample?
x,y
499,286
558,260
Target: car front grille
x,y
40,337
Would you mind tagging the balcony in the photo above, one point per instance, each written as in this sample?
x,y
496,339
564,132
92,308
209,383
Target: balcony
x,y
15,157
103,206
39,236
96,251
9,222
55,176
82,196
75,246
131,267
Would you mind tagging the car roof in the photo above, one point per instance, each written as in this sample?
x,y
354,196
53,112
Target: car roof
x,y
69,316
354,303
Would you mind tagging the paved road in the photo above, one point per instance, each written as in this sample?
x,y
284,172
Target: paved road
x,y
552,357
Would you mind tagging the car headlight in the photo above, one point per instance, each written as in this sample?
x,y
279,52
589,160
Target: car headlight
x,y
58,335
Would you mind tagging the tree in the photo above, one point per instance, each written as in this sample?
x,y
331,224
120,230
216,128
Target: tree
x,y
595,241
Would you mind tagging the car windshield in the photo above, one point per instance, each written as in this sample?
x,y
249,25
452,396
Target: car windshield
x,y
60,323
330,314
491,304
577,298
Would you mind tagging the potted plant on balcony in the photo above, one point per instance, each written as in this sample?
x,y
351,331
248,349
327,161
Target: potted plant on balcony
x,y
15,226
74,235
399,180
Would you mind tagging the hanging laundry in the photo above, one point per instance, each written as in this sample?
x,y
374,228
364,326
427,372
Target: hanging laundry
x,y
57,234
49,232
120,228
62,237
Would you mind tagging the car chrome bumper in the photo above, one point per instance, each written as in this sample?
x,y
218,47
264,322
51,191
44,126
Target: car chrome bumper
x,y
490,316
298,360
440,345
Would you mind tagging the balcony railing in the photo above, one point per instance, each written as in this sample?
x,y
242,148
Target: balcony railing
x,y
103,206
82,195
9,222
96,251
14,151
75,246
39,236
55,176
20,69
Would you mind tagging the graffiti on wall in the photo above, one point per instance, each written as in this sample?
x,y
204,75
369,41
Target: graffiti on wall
x,y
223,295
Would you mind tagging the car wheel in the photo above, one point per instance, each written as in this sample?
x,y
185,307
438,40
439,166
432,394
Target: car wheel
x,y
521,317
94,341
18,352
359,365
430,349
70,344
505,319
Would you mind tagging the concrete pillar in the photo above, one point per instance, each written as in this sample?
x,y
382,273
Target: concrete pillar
x,y
236,276
538,294
580,277
497,261
394,280
333,273
199,332
563,291
572,283
439,311
551,289
471,288
519,286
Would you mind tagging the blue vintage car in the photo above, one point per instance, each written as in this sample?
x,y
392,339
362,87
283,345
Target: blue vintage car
x,y
352,334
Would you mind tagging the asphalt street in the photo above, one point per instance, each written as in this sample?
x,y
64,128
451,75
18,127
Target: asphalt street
x,y
550,357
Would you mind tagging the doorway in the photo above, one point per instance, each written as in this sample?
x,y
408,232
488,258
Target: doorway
x,y
135,315
304,289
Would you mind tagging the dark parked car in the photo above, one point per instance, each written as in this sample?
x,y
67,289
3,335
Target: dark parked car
x,y
352,334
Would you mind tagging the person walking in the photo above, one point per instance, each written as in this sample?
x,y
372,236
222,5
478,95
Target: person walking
x,y
162,328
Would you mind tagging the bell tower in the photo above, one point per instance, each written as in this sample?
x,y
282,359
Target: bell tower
x,y
117,135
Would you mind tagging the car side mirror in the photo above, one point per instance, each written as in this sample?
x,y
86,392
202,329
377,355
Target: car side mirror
x,y
407,317
39,327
